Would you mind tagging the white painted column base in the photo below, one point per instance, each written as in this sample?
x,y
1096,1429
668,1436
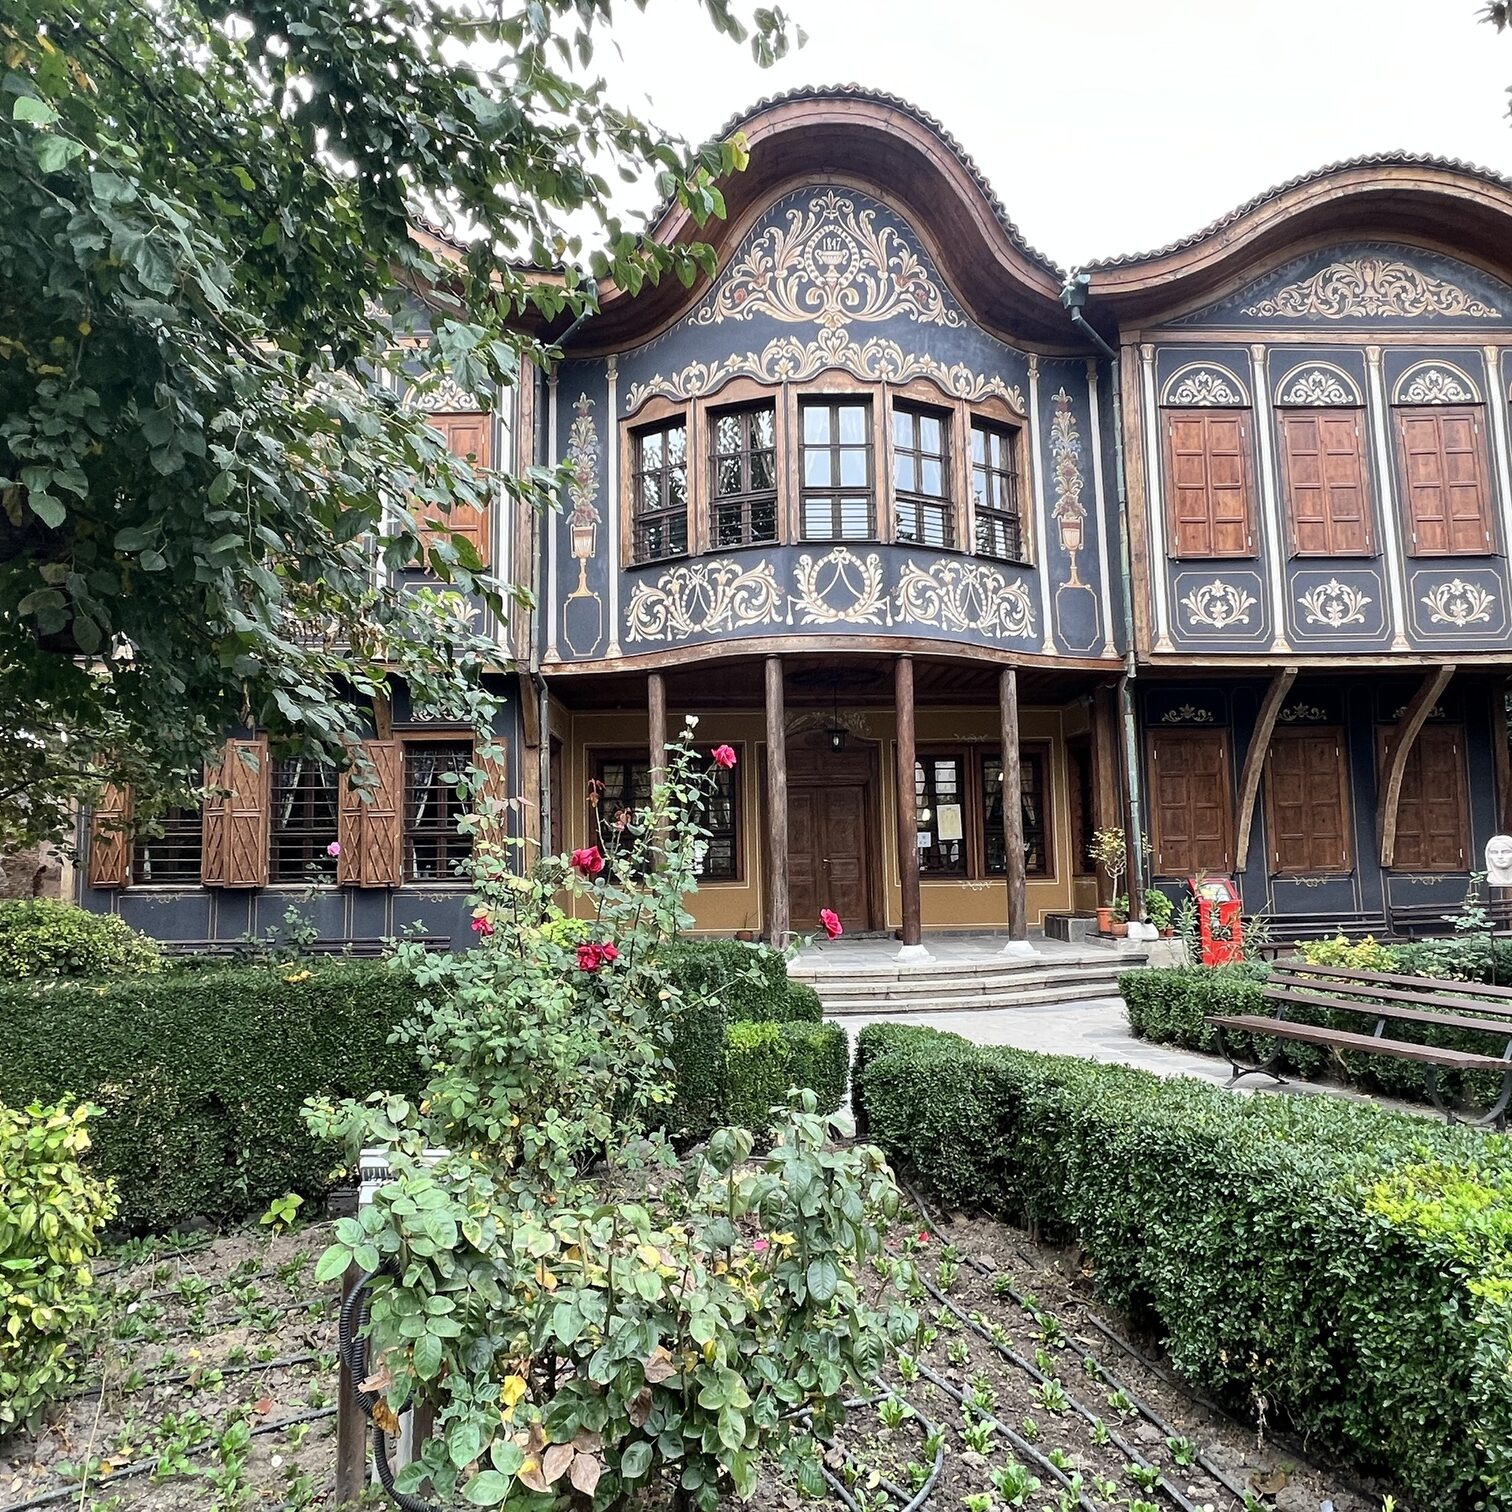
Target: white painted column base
x,y
913,955
1020,948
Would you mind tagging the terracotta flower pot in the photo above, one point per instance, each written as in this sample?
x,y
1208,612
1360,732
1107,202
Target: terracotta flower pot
x,y
1105,920
1121,930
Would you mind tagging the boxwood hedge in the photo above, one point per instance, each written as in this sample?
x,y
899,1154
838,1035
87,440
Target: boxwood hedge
x,y
201,1074
1349,1267
766,1060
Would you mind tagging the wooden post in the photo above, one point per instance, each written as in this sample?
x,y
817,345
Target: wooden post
x,y
778,921
1254,760
656,715
908,828
351,1425
1399,748
1013,816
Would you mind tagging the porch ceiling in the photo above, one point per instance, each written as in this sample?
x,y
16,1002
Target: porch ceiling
x,y
815,682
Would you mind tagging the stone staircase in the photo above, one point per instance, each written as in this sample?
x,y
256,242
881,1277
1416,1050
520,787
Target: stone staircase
x,y
961,982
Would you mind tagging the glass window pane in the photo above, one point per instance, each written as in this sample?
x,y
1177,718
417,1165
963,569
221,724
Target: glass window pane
x,y
677,443
906,471
727,475
934,477
903,423
816,423
677,488
978,444
763,471
764,522
817,469
764,426
651,492
651,449
931,434
855,517
852,422
855,471
817,518
727,433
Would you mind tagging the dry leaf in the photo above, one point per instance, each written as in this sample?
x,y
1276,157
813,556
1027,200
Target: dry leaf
x,y
385,1417
588,1441
554,1465
380,1380
585,1473
639,1410
263,1406
659,1367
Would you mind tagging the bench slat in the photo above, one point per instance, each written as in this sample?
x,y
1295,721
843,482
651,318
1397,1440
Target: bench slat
x,y
1390,979
1502,1024
1342,1039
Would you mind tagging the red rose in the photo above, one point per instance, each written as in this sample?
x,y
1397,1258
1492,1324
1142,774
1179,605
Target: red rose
x,y
588,957
608,954
831,921
481,926
589,861
724,756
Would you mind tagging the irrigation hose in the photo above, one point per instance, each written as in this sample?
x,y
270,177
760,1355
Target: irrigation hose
x,y
1022,1445
920,1499
1119,1443
68,1493
251,1368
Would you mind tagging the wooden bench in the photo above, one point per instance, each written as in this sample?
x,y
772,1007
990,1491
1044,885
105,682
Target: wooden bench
x,y
360,947
1386,999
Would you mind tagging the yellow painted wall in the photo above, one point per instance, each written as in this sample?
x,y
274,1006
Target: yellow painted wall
x,y
726,907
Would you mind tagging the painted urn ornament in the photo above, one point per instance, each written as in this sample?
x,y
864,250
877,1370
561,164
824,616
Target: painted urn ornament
x,y
1499,861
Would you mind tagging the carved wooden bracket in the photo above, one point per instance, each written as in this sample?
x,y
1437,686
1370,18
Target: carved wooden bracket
x,y
1254,759
1399,748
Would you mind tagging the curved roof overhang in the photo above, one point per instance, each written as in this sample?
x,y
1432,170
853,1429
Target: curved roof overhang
x,y
1432,201
846,132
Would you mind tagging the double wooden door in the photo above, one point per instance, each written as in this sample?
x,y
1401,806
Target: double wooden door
x,y
831,838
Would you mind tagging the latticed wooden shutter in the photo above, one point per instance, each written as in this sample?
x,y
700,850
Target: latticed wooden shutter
x,y
1208,476
470,436
493,791
1323,460
236,822
109,840
1443,456
1309,808
370,824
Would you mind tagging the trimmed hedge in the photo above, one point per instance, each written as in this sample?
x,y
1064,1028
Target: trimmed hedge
x,y
200,1076
750,980
1350,1266
42,937
765,1061
1170,1005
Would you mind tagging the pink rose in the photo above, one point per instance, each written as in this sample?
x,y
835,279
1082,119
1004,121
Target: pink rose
x,y
589,861
334,848
759,1245
724,756
831,921
482,927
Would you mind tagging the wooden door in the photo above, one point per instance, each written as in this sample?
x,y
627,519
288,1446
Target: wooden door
x,y
1191,802
828,855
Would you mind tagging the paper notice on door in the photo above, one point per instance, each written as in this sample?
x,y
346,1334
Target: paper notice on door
x,y
950,821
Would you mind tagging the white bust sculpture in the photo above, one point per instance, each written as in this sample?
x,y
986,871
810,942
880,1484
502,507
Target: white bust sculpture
x,y
1499,861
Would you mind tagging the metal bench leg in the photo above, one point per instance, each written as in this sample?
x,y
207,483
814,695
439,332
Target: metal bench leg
x,y
1241,1070
1496,1115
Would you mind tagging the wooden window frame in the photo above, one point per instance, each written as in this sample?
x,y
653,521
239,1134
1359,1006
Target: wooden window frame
x,y
1079,751
1168,414
176,829
1152,740
408,741
877,457
974,759
662,425
318,865
1476,413
596,756
1346,863
1332,528
965,769
1010,521
1465,861
1042,752
918,503
747,499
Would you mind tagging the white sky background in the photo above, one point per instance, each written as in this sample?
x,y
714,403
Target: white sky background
x,y
1110,126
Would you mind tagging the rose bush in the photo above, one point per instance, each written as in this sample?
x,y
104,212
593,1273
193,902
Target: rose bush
x,y
588,1316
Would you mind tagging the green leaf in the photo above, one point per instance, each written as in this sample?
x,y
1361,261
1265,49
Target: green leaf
x,y
635,1461
131,538
427,1356
55,152
333,1263
47,509
464,1443
487,1489
823,1278
38,112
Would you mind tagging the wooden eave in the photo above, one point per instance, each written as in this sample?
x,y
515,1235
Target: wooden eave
x,y
849,134
1416,201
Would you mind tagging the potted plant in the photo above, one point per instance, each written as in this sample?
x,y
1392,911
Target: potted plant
x,y
1161,912
1119,927
1108,851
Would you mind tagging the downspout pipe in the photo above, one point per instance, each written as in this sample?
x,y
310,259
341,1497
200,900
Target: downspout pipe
x,y
543,453
1073,300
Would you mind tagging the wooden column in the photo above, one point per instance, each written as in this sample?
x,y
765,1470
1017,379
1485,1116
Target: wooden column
x,y
1013,811
1254,759
908,828
656,724
777,920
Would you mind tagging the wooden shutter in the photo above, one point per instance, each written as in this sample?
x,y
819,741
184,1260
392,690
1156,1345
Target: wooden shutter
x,y
1208,475
1323,462
1191,802
1443,457
1307,810
235,850
369,824
1433,818
469,436
109,839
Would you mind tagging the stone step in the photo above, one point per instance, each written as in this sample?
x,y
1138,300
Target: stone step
x,y
1062,992
1004,968
963,987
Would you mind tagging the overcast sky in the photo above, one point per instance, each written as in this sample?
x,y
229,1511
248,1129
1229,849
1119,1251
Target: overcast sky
x,y
1110,127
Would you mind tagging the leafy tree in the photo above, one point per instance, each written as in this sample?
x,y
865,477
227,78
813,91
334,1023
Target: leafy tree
x,y
210,286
